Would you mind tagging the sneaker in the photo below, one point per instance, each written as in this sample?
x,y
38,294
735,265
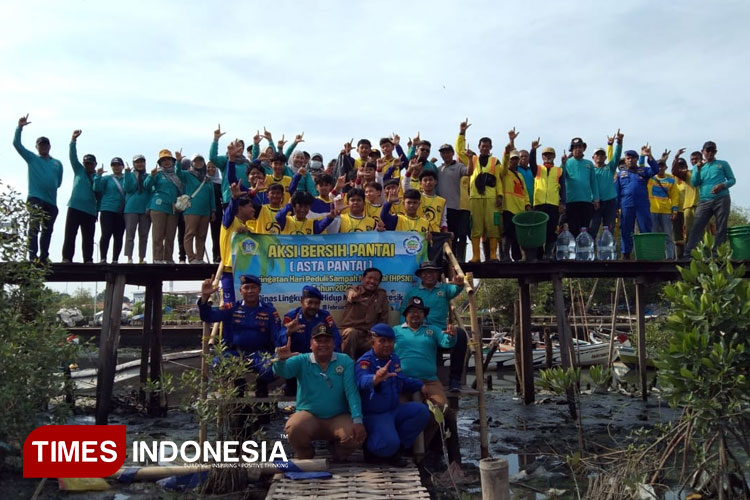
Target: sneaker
x,y
455,386
183,261
88,262
142,261
130,261
65,261
197,261
102,261
114,261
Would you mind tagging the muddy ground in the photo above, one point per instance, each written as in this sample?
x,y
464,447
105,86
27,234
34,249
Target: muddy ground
x,y
535,439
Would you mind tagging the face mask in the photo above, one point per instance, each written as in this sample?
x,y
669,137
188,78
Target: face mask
x,y
316,165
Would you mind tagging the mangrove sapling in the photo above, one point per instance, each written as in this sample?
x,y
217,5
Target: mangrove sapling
x,y
560,381
706,365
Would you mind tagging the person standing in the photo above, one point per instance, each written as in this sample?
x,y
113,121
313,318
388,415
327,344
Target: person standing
x,y
451,174
215,176
581,188
165,187
632,197
81,207
549,192
45,178
605,179
713,178
111,206
664,199
201,210
136,209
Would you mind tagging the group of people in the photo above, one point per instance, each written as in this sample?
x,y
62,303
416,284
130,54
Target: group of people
x,y
470,195
354,382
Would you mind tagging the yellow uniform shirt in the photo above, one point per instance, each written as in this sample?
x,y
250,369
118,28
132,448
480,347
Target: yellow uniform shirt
x,y
284,181
406,223
351,224
464,203
547,185
691,193
225,242
663,196
515,196
493,167
373,210
297,227
432,209
266,221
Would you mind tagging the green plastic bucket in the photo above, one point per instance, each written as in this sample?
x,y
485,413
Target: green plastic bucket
x,y
650,246
740,244
531,228
739,230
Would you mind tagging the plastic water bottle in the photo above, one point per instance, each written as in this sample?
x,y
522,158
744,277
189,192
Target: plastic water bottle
x,y
584,245
566,245
605,245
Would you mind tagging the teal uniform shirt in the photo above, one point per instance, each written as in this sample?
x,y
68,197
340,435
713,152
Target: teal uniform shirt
x,y
203,202
438,300
136,202
605,176
112,196
711,174
418,349
580,181
45,174
324,394
82,197
163,193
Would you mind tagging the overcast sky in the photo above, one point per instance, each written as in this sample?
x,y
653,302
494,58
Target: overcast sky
x,y
140,76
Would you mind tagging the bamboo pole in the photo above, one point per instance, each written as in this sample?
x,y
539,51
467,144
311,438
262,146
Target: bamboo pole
x,y
477,341
493,474
610,356
573,346
208,335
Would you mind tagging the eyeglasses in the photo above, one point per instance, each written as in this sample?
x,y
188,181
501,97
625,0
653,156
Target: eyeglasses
x,y
328,380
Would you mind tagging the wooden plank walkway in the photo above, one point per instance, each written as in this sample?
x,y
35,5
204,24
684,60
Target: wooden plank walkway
x,y
352,481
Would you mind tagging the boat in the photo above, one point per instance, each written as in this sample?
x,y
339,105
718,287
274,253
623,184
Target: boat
x,y
585,353
629,357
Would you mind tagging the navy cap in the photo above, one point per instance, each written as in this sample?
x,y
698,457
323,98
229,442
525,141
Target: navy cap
x,y
577,141
117,161
322,329
428,265
41,140
89,159
310,291
249,278
709,145
383,330
445,147
631,152
418,303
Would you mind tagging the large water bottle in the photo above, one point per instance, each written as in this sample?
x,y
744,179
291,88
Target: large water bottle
x,y
584,245
566,245
605,246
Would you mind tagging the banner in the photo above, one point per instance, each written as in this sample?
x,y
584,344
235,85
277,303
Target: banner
x,y
330,262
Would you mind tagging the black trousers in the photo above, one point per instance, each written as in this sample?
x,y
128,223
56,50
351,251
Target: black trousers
x,y
215,234
42,220
459,223
579,215
553,211
181,237
113,226
457,355
512,250
74,220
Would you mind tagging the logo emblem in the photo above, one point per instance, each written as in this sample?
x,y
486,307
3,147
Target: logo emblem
x,y
249,247
412,245
339,369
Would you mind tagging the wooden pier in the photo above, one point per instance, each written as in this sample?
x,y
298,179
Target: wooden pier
x,y
152,276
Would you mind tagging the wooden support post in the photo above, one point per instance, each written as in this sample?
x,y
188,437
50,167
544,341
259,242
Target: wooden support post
x,y
527,346
611,355
493,473
154,405
547,348
563,332
202,429
640,308
108,342
148,325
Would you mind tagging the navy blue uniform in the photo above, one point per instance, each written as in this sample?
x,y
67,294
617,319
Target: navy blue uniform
x,y
301,338
253,332
632,197
391,425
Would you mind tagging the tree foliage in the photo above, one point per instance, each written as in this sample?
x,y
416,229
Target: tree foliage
x,y
34,351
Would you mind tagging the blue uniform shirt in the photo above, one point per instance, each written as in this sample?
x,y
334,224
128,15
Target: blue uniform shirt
x,y
438,300
418,349
301,339
632,186
250,328
383,397
324,394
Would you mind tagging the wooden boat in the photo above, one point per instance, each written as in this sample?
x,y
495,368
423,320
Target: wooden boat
x,y
585,353
629,356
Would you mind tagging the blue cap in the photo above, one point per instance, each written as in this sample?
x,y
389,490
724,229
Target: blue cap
x,y
249,278
631,152
310,291
383,330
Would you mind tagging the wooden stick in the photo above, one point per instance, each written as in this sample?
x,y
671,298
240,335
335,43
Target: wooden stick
x,y
208,335
610,356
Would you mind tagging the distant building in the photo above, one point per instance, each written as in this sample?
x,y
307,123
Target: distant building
x,y
139,297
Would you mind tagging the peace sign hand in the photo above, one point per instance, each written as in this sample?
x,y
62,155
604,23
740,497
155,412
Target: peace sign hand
x,y
299,138
207,288
383,374
127,167
280,143
23,121
267,134
178,155
256,137
451,330
396,139
512,134
285,352
463,126
535,144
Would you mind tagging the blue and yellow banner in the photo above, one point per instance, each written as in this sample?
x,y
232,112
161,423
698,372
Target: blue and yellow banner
x,y
330,262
